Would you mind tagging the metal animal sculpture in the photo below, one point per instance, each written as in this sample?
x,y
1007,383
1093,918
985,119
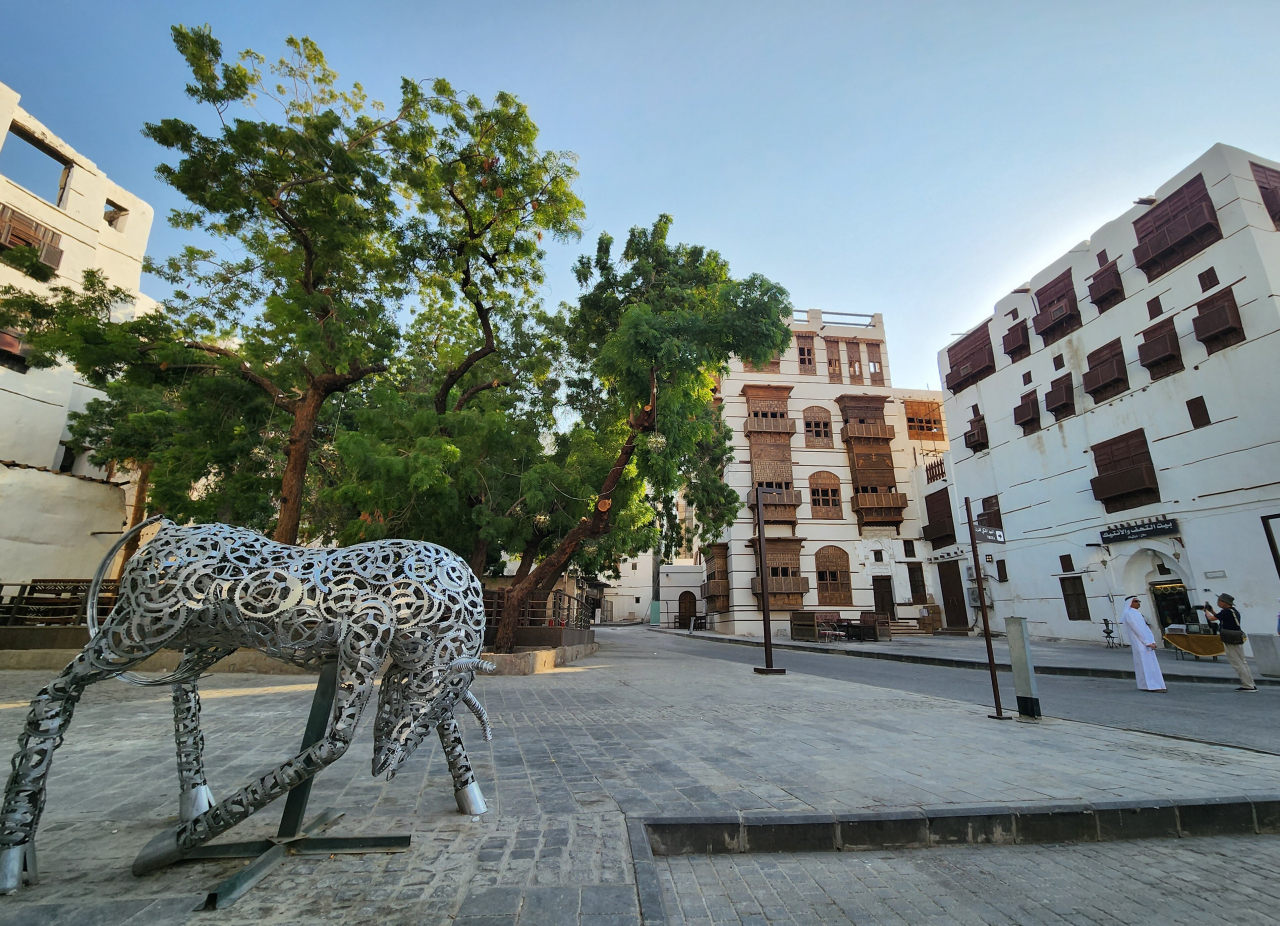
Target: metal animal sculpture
x,y
209,590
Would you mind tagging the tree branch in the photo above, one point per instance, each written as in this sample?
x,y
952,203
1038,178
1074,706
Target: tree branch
x,y
278,396
476,390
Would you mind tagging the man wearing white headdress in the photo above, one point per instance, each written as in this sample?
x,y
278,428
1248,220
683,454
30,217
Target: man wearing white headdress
x,y
1143,644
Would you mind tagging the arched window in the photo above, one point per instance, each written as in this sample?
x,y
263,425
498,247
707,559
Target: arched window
x,y
817,427
833,577
824,496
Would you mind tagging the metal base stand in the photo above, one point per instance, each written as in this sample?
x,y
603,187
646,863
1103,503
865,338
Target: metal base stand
x,y
769,670
293,838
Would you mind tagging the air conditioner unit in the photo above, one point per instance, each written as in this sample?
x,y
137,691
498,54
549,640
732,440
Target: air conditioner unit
x,y
968,574
974,601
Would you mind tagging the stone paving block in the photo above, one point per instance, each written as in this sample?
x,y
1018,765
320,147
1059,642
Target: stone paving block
x,y
1122,820
793,832
1057,821
884,829
969,824
550,906
1215,816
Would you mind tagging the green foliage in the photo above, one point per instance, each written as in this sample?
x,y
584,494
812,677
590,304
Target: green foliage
x,y
26,259
336,221
668,318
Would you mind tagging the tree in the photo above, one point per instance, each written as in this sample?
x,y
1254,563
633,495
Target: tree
x,y
648,337
338,219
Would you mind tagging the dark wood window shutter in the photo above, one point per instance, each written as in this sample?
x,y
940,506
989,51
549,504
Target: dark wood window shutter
x,y
1199,412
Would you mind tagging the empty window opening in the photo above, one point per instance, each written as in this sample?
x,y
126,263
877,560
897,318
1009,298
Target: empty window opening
x,y
30,163
1102,258
1058,362
1026,379
1154,308
114,215
1199,412
1065,561
878,555
1002,572
909,548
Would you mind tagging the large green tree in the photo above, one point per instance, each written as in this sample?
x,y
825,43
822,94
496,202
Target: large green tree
x,y
338,218
648,337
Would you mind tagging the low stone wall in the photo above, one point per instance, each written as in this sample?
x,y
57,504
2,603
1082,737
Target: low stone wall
x,y
533,661
164,661
529,662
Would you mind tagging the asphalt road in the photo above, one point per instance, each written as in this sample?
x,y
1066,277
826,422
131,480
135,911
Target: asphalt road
x,y
1212,713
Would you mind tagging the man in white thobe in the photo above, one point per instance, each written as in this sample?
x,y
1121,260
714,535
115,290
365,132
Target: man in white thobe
x,y
1143,644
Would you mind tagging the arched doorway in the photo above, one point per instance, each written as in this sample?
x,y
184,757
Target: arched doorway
x,y
1160,580
688,608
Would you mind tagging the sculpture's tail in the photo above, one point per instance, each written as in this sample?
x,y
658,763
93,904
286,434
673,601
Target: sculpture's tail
x,y
91,606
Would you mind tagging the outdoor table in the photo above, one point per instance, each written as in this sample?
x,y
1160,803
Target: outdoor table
x,y
1195,644
852,630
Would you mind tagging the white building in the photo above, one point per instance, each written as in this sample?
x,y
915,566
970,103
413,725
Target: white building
x,y
823,426
1118,414
52,526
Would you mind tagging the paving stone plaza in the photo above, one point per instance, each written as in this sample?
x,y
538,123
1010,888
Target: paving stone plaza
x,y
625,735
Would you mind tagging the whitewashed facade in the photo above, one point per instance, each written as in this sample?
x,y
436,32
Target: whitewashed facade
x,y
1154,470
52,526
846,538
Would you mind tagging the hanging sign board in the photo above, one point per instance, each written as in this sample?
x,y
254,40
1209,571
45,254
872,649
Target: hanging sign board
x,y
1159,528
987,534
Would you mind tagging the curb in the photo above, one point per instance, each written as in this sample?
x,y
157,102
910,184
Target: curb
x,y
948,825
949,663
648,887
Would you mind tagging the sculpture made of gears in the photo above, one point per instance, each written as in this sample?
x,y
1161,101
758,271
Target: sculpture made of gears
x,y
208,590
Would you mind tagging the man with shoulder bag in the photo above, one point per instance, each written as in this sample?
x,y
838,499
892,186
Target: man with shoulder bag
x,y
1228,619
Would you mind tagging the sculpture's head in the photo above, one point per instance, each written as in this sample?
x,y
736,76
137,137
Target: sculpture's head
x,y
412,702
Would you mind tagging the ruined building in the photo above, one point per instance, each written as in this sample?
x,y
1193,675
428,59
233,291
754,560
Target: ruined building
x,y
58,514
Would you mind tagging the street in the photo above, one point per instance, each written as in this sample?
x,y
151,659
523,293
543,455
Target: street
x,y
1213,713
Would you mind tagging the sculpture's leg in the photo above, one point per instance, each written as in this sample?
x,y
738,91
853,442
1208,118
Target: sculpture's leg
x,y
47,724
360,658
194,796
466,790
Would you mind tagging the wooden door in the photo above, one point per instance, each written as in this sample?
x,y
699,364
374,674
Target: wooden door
x,y
882,589
953,594
689,607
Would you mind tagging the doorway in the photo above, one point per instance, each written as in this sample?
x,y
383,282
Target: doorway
x,y
882,591
1171,603
688,608
953,606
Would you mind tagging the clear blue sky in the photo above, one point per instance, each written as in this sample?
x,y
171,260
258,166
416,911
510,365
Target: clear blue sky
x,y
916,159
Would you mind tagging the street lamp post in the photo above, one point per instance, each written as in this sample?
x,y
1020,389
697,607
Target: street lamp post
x,y
768,667
982,604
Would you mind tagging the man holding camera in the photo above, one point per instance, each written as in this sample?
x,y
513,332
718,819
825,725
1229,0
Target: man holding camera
x,y
1228,619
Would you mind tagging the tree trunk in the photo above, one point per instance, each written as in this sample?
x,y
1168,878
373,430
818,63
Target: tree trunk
x,y
555,564
597,524
479,556
528,557
138,513
298,453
